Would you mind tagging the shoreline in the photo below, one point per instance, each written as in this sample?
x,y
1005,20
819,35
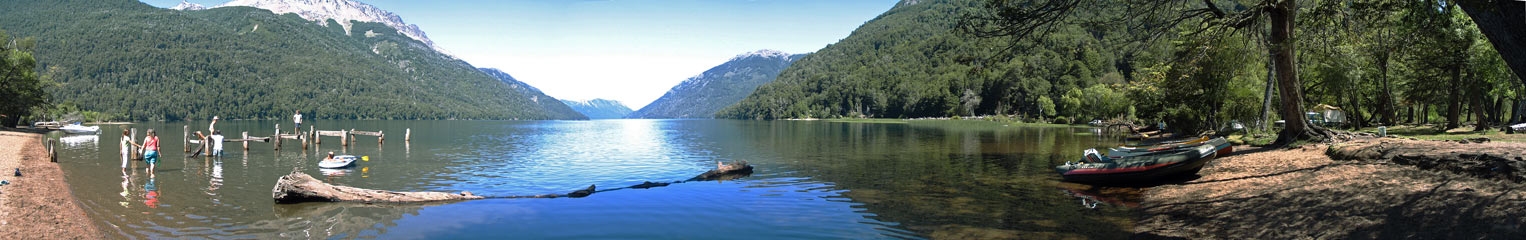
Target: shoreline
x,y
1303,193
32,205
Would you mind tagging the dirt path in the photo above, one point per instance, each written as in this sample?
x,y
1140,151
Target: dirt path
x,y
1302,193
38,204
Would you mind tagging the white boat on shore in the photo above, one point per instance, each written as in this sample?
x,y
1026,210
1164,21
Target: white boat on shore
x,y
80,129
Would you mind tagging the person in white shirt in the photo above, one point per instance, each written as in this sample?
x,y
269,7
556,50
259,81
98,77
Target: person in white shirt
x,y
217,143
297,119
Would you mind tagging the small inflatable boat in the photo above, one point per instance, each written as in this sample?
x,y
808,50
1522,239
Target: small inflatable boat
x,y
1095,168
341,161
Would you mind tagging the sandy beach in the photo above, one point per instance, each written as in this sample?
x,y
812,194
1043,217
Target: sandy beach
x,y
38,204
1302,193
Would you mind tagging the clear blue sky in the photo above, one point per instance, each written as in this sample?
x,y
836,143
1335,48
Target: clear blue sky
x,y
632,51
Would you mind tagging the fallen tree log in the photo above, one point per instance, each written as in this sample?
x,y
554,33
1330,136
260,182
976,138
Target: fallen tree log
x,y
299,187
734,170
1473,157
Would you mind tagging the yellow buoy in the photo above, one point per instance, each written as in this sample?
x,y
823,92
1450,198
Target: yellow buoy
x,y
365,158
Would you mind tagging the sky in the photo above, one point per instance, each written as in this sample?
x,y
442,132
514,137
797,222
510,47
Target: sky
x,y
631,51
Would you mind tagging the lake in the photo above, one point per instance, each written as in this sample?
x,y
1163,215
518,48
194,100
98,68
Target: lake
x,y
813,180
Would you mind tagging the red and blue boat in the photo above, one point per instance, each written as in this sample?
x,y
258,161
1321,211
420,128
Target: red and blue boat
x,y
1148,166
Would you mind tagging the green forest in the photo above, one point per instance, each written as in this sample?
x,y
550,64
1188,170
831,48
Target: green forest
x,y
133,61
1382,62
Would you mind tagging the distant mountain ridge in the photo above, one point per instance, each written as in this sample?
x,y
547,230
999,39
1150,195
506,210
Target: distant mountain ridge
x,y
342,11
720,86
599,108
144,63
535,95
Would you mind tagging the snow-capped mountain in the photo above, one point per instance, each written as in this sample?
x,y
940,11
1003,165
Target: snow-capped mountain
x,y
599,108
341,11
765,53
188,6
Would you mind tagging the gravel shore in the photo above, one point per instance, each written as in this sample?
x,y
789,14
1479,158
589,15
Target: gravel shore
x,y
1302,193
37,204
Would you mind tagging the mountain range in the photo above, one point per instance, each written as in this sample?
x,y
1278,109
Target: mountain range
x,y
341,11
127,58
599,108
720,86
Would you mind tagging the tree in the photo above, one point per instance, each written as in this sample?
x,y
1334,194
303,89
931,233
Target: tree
x,y
1022,19
20,84
1500,21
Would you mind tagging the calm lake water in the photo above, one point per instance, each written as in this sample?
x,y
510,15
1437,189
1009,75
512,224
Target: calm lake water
x,y
813,180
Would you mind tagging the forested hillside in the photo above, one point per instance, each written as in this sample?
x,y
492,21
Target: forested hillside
x,y
912,62
144,63
1381,62
704,94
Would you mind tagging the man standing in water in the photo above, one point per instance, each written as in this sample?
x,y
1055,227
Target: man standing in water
x,y
217,143
297,119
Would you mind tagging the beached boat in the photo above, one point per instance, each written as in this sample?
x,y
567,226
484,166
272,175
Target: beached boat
x,y
1095,168
1128,151
341,161
80,129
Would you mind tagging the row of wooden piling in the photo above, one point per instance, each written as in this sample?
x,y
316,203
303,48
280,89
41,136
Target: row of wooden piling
x,y
345,137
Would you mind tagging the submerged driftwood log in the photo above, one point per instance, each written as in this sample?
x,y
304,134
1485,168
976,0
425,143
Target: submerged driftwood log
x,y
299,187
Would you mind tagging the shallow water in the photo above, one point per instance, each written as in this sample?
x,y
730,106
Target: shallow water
x,y
814,179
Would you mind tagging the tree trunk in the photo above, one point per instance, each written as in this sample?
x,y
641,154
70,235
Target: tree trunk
x,y
1424,113
1271,85
1454,98
1497,111
1282,14
1515,111
1355,121
1386,109
1479,106
1502,22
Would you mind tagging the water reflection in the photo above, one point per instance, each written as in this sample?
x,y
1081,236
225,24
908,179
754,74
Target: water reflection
x,y
813,180
151,193
80,141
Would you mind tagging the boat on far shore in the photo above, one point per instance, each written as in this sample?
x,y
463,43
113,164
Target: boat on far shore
x,y
76,128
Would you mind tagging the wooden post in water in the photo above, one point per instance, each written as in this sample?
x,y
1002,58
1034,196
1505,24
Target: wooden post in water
x,y
277,137
344,137
185,138
408,134
206,144
312,132
380,137
52,150
134,149
246,140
